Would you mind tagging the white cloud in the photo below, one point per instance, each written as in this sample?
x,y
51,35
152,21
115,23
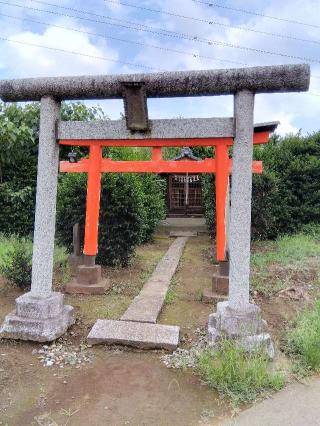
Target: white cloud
x,y
23,58
295,111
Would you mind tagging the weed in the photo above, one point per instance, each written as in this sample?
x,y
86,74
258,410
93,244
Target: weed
x,y
198,295
277,266
288,249
303,340
237,374
170,296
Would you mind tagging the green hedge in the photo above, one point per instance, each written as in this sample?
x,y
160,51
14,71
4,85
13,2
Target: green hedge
x,y
131,204
286,196
130,208
19,137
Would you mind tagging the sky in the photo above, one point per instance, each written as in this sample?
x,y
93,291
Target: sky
x,y
77,37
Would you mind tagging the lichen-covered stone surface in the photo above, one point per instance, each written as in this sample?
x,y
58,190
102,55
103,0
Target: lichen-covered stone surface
x,y
268,79
38,319
136,334
245,326
45,215
147,305
241,192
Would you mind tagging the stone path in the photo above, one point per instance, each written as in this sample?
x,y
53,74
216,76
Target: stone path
x,y
137,334
296,405
137,327
147,305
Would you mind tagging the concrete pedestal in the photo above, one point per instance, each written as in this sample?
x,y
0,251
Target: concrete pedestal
x,y
39,319
75,261
88,280
244,325
220,285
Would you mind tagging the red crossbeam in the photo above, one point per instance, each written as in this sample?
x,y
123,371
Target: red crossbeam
x,y
161,166
258,138
221,165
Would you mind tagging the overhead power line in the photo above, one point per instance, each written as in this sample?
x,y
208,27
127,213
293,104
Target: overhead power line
x,y
109,37
72,52
96,57
213,22
251,12
154,30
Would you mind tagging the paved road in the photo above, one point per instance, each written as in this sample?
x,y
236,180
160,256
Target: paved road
x,y
297,405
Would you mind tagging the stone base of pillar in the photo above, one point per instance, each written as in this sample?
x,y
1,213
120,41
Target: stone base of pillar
x,y
220,285
74,261
245,326
38,319
88,281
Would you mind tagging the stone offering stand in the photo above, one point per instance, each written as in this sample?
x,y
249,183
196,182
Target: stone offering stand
x,y
40,315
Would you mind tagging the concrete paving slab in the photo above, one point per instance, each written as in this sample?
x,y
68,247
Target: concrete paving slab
x,y
182,224
183,234
296,405
139,335
147,305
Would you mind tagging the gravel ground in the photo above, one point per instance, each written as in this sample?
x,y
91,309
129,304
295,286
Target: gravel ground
x,y
61,355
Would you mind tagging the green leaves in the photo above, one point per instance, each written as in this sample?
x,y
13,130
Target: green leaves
x,y
19,135
131,206
286,195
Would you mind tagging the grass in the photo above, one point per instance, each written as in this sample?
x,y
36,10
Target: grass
x,y
278,264
303,339
16,260
239,375
288,249
7,243
171,294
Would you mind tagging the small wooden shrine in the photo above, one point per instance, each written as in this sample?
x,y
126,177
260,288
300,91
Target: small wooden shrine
x,y
184,192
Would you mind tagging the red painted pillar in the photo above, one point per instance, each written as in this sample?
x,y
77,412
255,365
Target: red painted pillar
x,y
157,153
222,176
93,201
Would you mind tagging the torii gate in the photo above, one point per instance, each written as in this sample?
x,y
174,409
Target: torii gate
x,y
41,314
221,165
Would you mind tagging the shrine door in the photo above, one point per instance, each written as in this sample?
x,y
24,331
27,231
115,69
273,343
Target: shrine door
x,y
185,194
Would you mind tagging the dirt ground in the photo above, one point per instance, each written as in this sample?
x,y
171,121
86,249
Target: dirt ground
x,y
122,386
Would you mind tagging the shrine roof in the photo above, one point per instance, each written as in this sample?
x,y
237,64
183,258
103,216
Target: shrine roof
x,y
186,152
266,127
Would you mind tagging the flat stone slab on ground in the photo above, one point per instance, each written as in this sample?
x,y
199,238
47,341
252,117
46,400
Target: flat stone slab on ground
x,y
183,234
139,335
187,224
147,305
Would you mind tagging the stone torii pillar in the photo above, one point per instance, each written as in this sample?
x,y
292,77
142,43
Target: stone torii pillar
x,y
40,314
237,317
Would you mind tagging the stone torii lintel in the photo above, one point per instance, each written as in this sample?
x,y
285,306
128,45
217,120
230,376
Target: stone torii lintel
x,y
267,79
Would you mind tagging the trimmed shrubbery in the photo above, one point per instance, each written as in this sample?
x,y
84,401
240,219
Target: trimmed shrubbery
x,y
130,208
131,204
16,262
287,194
